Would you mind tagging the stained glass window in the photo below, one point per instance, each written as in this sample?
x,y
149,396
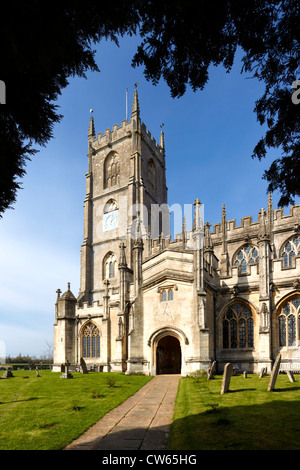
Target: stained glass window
x,y
290,250
90,341
292,330
282,331
288,324
238,327
247,255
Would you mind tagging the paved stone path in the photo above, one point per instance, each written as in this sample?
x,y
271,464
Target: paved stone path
x,y
140,423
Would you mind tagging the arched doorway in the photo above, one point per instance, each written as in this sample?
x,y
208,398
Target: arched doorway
x,y
168,355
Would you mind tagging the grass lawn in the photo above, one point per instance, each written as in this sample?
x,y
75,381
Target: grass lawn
x,y
246,418
40,413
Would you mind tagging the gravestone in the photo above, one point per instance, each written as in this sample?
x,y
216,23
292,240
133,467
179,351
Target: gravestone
x,y
226,378
7,374
274,373
83,366
66,374
245,374
263,372
211,370
290,376
37,372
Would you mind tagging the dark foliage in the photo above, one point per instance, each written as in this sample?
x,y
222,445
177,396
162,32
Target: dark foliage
x,y
182,39
43,44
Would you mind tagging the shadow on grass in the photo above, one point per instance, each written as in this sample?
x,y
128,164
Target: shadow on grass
x,y
22,399
273,425
286,389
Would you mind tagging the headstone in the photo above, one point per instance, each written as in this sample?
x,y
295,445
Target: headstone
x,y
245,374
290,376
226,378
37,372
7,374
83,366
274,373
263,372
66,374
62,368
211,370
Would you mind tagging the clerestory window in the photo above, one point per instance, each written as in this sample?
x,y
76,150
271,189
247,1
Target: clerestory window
x,y
290,250
245,257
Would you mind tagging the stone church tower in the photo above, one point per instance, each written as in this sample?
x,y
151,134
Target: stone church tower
x,y
150,304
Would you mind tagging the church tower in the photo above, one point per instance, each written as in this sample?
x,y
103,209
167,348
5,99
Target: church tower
x,y
126,175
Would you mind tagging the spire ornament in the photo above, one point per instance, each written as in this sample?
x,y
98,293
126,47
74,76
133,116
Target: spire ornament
x,y
91,132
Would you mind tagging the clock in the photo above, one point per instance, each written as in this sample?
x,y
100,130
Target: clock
x,y
110,220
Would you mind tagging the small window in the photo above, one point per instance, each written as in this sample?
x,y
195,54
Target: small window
x,y
167,295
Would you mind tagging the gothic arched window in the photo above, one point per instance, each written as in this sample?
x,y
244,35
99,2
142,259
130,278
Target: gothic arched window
x,y
289,251
151,173
90,341
246,256
109,266
288,322
238,327
111,170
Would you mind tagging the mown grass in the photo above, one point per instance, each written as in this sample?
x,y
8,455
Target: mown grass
x,y
47,412
246,418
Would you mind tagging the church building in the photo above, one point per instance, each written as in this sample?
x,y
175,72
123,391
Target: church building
x,y
155,305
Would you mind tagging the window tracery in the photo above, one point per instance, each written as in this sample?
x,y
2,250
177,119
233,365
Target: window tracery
x,y
289,322
111,170
290,250
246,256
109,266
238,327
90,341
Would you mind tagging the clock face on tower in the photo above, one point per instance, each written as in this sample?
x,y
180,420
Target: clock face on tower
x,y
110,220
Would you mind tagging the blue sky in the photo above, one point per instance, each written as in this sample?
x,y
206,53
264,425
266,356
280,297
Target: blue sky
x,y
209,138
